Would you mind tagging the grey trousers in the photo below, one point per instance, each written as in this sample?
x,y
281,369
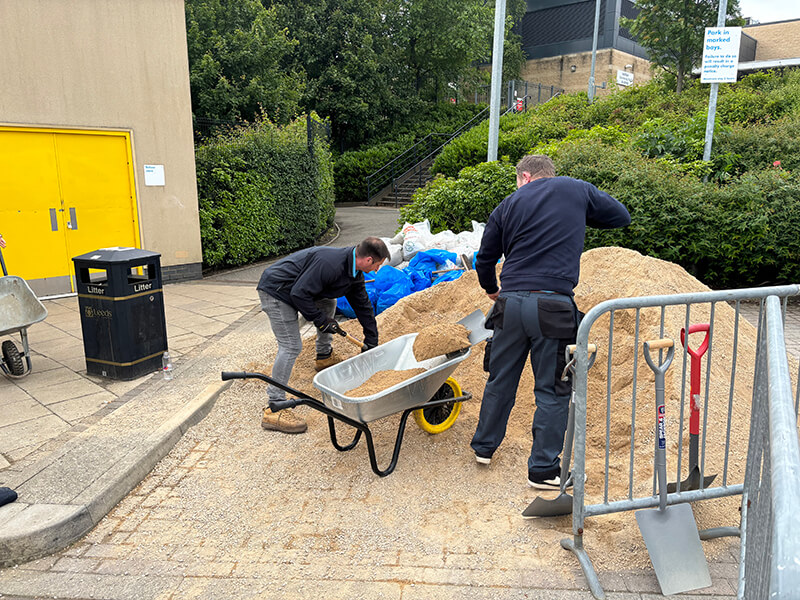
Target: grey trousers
x,y
538,325
285,326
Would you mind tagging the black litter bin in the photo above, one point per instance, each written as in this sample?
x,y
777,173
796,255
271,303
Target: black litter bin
x,y
122,311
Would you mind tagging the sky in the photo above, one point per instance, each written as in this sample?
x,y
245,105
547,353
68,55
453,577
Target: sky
x,y
766,11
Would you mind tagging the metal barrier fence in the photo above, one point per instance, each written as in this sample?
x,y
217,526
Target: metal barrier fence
x,y
770,548
634,320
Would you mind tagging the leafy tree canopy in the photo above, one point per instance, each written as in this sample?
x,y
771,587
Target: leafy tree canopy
x,y
673,31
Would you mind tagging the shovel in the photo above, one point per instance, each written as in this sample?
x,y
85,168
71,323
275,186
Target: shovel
x,y
670,532
562,504
692,482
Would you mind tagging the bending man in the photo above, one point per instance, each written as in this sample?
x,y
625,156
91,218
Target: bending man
x,y
540,229
308,282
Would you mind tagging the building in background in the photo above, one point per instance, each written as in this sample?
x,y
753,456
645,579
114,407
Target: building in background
x,y
96,143
557,40
770,46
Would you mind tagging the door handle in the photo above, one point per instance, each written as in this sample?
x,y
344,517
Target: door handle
x,y
73,220
53,220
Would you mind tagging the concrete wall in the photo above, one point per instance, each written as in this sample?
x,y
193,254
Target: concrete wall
x,y
776,40
558,71
119,64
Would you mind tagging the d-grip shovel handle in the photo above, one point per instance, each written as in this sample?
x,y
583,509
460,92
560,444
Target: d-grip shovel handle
x,y
661,438
694,372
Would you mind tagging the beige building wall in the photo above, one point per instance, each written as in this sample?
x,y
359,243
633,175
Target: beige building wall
x,y
118,64
571,71
776,40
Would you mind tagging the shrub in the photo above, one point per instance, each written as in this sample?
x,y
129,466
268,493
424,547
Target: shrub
x,y
452,203
262,192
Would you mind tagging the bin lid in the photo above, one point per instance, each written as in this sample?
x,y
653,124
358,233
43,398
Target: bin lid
x,y
116,255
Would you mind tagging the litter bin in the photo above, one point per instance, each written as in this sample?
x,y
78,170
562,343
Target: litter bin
x,y
122,311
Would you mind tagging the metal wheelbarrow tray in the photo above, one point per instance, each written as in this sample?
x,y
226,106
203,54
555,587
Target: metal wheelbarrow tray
x,y
415,393
19,309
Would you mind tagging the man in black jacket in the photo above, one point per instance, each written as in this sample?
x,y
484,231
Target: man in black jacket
x,y
540,229
308,282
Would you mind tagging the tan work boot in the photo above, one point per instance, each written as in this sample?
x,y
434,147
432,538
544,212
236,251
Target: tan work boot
x,y
329,361
284,420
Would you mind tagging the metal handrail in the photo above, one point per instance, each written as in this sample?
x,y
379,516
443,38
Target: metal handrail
x,y
400,165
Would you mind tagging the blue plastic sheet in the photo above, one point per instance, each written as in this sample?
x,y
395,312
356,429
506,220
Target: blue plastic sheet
x,y
390,284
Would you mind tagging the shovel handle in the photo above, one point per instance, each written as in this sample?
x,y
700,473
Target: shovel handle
x,y
352,340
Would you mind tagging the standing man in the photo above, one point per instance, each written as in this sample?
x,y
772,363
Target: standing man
x,y
308,282
540,229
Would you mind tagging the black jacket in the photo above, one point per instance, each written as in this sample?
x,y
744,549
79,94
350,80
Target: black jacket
x,y
540,229
321,272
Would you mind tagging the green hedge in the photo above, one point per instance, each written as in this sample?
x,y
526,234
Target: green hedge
x,y
262,193
740,234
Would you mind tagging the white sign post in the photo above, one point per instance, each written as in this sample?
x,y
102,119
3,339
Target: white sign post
x,y
722,51
721,55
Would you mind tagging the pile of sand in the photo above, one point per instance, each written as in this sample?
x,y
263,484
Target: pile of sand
x,y
440,338
607,273
382,380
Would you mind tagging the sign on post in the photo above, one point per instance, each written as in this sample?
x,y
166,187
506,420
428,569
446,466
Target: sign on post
x,y
720,55
624,78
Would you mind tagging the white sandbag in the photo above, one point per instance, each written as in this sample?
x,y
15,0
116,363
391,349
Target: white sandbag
x,y
395,250
416,237
444,240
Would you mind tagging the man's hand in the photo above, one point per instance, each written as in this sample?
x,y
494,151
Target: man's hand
x,y
331,326
494,296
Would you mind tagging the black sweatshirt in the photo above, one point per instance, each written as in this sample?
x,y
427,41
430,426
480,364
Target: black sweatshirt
x,y
540,228
321,272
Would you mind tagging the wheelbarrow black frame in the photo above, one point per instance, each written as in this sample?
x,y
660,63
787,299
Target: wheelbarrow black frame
x,y
362,428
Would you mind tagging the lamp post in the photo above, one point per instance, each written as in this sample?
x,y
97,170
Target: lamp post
x,y
497,77
594,49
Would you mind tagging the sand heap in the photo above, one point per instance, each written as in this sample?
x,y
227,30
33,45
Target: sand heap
x,y
440,338
606,273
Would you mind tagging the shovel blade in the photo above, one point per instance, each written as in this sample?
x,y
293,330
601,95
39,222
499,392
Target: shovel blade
x,y
558,507
474,323
692,482
673,544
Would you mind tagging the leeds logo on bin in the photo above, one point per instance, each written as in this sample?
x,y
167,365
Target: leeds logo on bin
x,y
99,313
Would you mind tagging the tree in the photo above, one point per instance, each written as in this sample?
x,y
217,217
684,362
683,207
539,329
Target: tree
x,y
235,53
672,31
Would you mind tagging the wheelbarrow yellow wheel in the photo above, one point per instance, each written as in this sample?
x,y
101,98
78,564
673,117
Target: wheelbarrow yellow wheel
x,y
437,419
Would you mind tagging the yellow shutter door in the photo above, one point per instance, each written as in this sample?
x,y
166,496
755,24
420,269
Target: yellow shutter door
x,y
65,194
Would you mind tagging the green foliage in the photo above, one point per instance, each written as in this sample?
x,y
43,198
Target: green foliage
x,y
235,51
673,31
450,203
262,192
644,146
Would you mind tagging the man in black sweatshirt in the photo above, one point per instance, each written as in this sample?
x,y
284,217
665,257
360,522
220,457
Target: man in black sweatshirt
x,y
309,282
540,229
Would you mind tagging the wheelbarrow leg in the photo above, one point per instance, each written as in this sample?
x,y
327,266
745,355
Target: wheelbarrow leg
x,y
335,442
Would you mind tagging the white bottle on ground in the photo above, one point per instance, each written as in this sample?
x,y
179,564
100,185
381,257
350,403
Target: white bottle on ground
x,y
166,366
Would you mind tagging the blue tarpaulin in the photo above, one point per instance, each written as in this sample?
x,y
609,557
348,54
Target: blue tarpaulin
x,y
391,284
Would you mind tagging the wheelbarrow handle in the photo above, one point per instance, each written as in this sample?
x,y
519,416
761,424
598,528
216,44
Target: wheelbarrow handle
x,y
226,375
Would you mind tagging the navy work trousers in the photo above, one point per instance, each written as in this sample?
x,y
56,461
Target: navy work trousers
x,y
541,325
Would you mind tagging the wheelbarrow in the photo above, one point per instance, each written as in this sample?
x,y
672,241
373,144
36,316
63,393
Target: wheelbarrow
x,y
19,309
433,397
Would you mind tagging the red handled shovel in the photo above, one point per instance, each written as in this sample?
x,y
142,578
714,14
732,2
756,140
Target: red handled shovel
x,y
692,482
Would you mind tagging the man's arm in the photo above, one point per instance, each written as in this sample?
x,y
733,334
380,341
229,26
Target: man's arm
x,y
605,211
489,253
359,299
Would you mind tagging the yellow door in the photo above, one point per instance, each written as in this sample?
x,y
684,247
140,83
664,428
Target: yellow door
x,y
63,193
